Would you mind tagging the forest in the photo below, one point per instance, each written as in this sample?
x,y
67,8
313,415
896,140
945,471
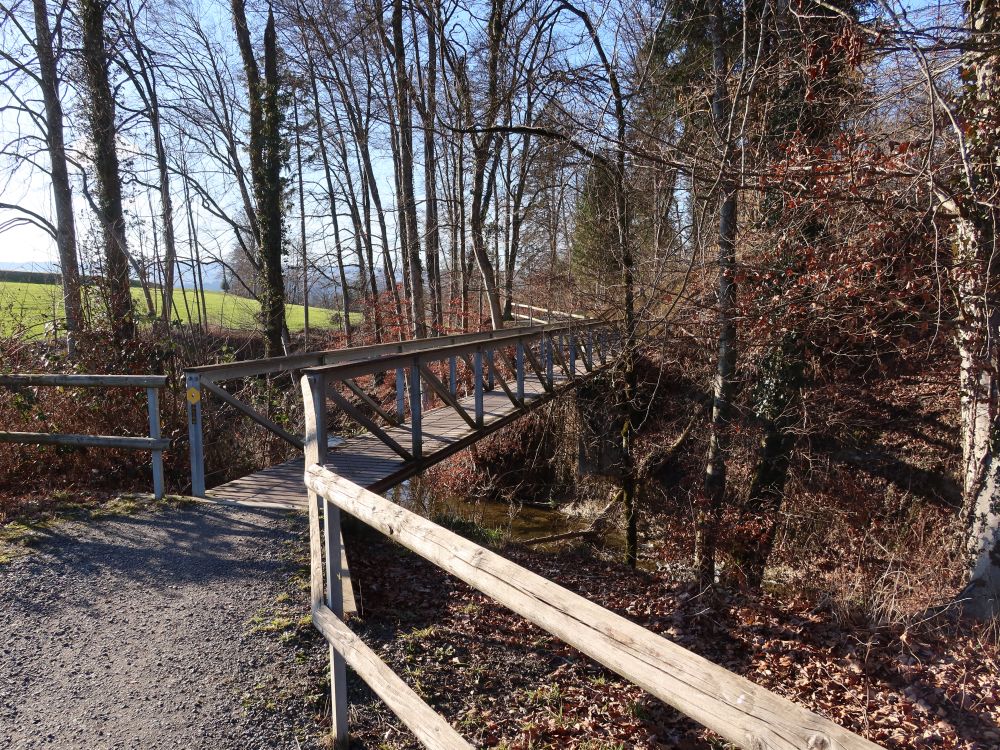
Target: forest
x,y
786,208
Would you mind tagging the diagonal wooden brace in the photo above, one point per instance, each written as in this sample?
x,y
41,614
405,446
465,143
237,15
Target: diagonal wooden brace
x,y
358,391
369,424
441,390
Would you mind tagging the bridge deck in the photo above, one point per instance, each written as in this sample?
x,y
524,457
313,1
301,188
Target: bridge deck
x,y
367,461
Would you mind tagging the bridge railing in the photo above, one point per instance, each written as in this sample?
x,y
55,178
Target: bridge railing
x,y
572,339
154,443
728,704
553,355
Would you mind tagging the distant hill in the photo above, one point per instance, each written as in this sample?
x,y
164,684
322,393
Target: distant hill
x,y
48,273
41,277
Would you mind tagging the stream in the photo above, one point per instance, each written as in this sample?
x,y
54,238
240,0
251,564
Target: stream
x,y
517,522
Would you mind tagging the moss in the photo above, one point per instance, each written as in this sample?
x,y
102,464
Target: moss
x,y
276,624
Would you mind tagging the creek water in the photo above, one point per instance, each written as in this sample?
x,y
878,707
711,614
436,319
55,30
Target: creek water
x,y
515,521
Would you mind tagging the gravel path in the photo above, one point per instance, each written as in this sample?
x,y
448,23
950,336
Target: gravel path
x,y
132,632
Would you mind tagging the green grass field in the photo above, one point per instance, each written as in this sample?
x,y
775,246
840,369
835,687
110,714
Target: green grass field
x,y
27,308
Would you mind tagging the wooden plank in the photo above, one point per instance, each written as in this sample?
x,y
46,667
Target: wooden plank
x,y
255,415
358,391
86,441
429,727
347,587
85,381
728,704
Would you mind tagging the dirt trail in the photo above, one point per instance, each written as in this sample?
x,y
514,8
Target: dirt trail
x,y
133,632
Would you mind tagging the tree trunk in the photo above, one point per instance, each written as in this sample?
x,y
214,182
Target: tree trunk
x,y
710,513
978,332
101,109
480,204
62,192
266,160
432,230
360,219
332,196
408,202
463,250
144,80
302,225
778,405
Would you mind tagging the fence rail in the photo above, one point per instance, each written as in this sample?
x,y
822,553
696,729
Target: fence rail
x,y
155,443
728,704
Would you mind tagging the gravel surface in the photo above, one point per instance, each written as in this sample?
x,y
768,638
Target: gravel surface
x,y
135,632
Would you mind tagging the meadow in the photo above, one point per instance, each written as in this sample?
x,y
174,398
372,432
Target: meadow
x,y
27,308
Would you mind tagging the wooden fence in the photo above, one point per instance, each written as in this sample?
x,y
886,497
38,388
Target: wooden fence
x,y
154,443
728,704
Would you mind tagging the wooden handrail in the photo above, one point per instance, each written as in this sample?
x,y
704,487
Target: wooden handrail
x,y
724,702
506,337
84,381
247,368
86,441
429,726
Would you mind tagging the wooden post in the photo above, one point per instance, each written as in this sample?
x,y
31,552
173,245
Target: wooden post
x,y
477,377
314,392
400,395
453,375
519,366
416,436
153,406
490,380
193,383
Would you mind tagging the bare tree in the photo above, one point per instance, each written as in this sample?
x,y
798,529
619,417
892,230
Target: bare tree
x,y
266,160
108,201
62,191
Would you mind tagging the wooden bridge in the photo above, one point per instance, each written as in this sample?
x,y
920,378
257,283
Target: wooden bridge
x,y
449,393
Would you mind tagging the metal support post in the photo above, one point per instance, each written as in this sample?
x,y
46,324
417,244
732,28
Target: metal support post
x,y
153,405
519,366
400,395
477,377
416,407
195,436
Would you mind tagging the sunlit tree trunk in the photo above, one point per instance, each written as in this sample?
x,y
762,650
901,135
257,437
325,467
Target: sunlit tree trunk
x,y
976,268
61,190
407,198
